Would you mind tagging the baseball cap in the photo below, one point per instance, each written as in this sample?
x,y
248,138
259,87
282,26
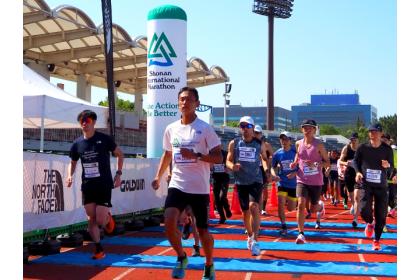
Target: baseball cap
x,y
284,135
247,119
375,127
354,135
258,128
308,123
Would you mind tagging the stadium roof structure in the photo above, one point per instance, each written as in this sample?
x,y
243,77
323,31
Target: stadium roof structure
x,y
67,40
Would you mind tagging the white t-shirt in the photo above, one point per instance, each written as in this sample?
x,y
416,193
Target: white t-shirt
x,y
190,175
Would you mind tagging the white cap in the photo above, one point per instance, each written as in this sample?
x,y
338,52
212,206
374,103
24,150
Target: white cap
x,y
246,119
258,128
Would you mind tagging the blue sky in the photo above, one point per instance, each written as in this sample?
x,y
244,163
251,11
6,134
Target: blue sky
x,y
326,45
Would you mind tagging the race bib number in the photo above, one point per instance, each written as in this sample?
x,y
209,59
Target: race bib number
x,y
219,168
178,159
285,165
334,167
91,170
373,176
310,170
247,154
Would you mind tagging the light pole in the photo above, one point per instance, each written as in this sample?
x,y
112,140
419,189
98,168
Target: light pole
x,y
228,87
279,9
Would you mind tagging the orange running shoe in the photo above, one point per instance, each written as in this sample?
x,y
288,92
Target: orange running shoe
x,y
375,245
369,230
98,255
109,228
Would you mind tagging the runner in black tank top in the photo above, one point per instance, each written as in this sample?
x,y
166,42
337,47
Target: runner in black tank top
x,y
346,159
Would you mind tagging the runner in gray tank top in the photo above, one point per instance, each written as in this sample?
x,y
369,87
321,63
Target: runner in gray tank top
x,y
244,157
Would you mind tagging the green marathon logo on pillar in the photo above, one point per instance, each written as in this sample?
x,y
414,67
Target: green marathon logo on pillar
x,y
160,47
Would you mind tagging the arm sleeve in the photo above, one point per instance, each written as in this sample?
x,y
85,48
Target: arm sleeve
x,y
166,144
111,144
212,139
390,170
73,154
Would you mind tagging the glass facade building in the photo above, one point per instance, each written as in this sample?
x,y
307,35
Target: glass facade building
x,y
339,110
282,117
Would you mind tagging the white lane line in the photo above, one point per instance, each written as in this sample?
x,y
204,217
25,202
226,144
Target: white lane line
x,y
164,251
120,276
123,274
362,259
248,275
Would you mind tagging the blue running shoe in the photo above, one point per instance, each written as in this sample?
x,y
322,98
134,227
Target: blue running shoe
x,y
179,270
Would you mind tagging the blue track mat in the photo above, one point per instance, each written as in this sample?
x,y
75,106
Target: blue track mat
x,y
307,224
269,232
276,246
279,266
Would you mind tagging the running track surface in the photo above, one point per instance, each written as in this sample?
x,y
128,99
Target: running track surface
x,y
336,251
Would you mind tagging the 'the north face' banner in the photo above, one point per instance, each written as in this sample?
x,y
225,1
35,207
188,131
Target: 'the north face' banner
x,y
166,71
48,203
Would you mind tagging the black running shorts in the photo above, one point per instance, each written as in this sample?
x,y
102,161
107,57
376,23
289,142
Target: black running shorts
x,y
199,204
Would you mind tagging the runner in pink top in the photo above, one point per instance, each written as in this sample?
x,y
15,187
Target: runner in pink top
x,y
310,158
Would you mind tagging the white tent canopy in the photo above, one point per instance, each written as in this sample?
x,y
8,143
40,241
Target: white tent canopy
x,y
47,106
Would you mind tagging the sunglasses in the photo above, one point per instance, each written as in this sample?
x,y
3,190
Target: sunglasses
x,y
248,125
86,120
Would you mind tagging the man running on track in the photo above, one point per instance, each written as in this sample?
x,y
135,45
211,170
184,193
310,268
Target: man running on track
x,y
311,156
244,156
191,144
333,178
286,177
93,149
259,135
220,189
373,163
346,160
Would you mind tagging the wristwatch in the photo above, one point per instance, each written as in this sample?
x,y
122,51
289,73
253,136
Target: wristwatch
x,y
119,172
198,155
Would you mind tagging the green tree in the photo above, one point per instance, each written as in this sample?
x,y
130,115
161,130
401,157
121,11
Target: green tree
x,y
389,124
327,129
121,105
232,123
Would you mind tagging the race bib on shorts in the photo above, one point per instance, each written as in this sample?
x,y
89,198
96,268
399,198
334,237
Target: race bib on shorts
x,y
373,176
219,168
334,167
91,170
247,154
310,170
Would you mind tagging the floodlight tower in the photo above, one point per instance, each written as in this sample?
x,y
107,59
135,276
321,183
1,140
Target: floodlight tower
x,y
271,9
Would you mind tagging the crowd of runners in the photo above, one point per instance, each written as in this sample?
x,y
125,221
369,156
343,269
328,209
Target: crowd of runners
x,y
361,177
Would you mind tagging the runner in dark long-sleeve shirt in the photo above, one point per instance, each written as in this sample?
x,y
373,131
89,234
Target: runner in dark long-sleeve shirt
x,y
373,162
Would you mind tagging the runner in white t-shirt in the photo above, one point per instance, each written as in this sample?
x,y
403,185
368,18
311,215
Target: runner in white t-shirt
x,y
191,145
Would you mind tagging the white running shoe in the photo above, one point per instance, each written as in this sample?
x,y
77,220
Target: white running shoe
x,y
320,214
249,241
263,212
255,248
300,239
317,225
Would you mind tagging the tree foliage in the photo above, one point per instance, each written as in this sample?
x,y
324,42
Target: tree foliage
x,y
121,105
389,125
232,123
327,129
